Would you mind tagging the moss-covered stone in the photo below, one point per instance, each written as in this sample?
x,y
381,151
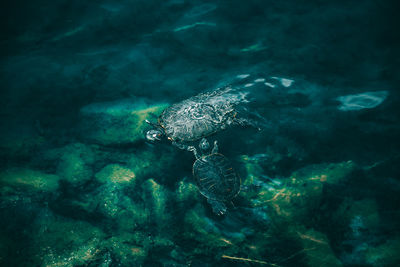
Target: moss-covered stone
x,y
132,216
30,180
358,217
128,249
201,228
294,198
156,197
64,242
360,229
331,173
146,163
384,255
115,173
110,201
118,122
316,247
186,193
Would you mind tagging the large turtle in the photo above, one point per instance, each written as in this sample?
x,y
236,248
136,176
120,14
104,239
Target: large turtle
x,y
215,177
200,116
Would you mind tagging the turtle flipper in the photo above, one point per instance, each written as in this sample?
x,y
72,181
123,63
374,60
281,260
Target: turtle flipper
x,y
244,117
218,207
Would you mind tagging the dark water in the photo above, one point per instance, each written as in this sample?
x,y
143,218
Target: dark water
x,y
81,187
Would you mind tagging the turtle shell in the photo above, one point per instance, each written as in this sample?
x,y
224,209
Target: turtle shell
x,y
216,178
199,116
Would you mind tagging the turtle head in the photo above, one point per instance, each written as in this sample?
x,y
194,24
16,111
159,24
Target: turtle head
x,y
204,145
154,135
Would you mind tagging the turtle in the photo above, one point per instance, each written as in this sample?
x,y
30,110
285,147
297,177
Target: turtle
x,y
200,116
215,176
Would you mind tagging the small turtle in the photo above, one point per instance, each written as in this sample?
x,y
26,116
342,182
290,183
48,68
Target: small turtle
x,y
215,177
199,116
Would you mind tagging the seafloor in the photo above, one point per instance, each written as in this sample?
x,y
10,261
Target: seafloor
x,y
79,186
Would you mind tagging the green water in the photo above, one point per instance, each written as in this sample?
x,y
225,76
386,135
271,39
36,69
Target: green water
x,y
80,186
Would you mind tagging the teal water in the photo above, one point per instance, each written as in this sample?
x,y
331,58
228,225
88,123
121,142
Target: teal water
x,y
80,186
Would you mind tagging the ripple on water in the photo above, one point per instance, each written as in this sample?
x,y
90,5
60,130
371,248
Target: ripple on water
x,y
200,10
362,100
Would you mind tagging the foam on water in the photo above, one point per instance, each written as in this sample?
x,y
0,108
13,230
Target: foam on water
x,y
284,81
360,101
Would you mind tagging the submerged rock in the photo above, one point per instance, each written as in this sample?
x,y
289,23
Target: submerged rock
x,y
361,226
186,193
146,164
386,254
110,200
296,197
64,242
316,247
128,249
29,180
155,197
203,229
115,173
116,122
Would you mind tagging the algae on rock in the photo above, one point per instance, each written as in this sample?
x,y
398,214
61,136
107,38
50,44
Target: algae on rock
x,y
31,180
115,173
156,197
186,193
65,242
386,254
316,247
296,197
147,163
116,122
127,249
203,229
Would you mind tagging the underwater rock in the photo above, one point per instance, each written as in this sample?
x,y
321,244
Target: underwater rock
x,y
386,254
132,215
128,249
275,155
361,224
29,180
186,193
316,247
155,197
359,217
146,164
111,202
113,198
362,101
116,122
63,242
330,173
115,173
75,162
293,198
203,229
